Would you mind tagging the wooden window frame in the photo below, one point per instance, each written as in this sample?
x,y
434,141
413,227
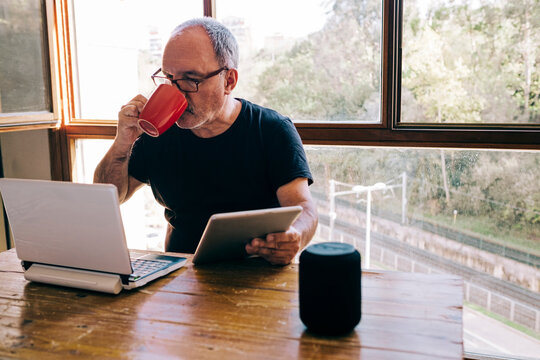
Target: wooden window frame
x,y
388,133
31,120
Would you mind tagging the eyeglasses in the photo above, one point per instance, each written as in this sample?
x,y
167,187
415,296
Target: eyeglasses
x,y
184,84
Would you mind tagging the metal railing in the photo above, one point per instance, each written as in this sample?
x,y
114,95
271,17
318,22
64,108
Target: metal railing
x,y
501,297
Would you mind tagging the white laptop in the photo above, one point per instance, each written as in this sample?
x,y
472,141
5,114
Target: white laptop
x,y
72,235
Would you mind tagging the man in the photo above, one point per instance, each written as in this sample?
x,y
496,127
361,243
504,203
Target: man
x,y
225,154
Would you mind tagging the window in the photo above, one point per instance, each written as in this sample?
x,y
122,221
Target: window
x,y
471,62
430,107
323,68
111,69
466,212
473,213
142,216
25,84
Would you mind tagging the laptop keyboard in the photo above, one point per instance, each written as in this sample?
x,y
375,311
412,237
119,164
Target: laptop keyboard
x,y
144,267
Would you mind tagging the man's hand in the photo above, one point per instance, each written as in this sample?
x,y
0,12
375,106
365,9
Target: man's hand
x,y
113,168
128,128
277,248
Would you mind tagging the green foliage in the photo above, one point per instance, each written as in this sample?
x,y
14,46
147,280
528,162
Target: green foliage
x,y
463,62
495,191
286,83
468,63
334,73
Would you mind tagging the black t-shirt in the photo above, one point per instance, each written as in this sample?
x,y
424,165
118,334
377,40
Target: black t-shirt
x,y
240,169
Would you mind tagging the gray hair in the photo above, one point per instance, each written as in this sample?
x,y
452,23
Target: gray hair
x,y
223,41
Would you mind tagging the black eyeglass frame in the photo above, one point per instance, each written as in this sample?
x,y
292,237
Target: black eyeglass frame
x,y
196,82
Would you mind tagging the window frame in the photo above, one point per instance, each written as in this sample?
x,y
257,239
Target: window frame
x,y
53,118
389,132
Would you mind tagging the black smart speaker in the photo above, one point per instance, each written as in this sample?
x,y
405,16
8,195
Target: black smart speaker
x,y
329,288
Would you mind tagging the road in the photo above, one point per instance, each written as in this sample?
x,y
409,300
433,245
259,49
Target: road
x,y
482,334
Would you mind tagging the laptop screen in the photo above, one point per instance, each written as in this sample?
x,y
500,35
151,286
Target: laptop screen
x,y
66,224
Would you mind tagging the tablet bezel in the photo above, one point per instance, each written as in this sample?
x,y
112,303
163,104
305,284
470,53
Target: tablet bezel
x,y
226,234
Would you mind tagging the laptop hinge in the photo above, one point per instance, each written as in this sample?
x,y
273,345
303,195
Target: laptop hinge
x,y
84,279
124,279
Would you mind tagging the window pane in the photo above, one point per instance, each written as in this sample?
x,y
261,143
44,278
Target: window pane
x,y
118,49
468,212
24,78
144,222
316,60
472,213
474,62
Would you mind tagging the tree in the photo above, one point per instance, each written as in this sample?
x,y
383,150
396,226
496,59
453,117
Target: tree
x,y
483,56
334,73
524,16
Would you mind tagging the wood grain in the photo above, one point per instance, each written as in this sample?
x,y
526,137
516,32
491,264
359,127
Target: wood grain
x,y
239,310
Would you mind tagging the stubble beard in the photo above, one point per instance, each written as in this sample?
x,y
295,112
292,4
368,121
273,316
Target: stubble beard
x,y
189,121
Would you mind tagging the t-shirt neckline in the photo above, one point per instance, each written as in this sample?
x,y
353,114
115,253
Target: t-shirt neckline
x,y
226,133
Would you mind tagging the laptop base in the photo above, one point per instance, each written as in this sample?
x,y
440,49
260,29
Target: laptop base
x,y
82,279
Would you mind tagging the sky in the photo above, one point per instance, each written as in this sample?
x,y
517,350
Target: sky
x,y
295,18
109,42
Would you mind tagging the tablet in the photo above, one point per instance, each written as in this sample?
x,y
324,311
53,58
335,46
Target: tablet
x,y
226,234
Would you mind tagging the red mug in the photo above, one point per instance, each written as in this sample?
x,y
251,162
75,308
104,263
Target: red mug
x,y
162,110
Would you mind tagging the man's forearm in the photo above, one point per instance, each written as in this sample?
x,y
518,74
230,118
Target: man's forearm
x,y
113,169
307,222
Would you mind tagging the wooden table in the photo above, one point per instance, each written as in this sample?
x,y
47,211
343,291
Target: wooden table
x,y
240,310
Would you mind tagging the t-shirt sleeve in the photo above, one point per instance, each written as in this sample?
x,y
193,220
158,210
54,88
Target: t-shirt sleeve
x,y
136,164
285,154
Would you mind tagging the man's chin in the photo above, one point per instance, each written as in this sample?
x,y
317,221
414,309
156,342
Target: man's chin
x,y
179,124
186,122
182,120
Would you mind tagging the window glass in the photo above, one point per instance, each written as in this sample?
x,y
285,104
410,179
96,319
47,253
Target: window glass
x,y
142,216
24,78
473,62
472,213
120,48
309,60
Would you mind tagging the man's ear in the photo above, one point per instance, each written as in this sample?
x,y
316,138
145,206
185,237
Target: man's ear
x,y
231,79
